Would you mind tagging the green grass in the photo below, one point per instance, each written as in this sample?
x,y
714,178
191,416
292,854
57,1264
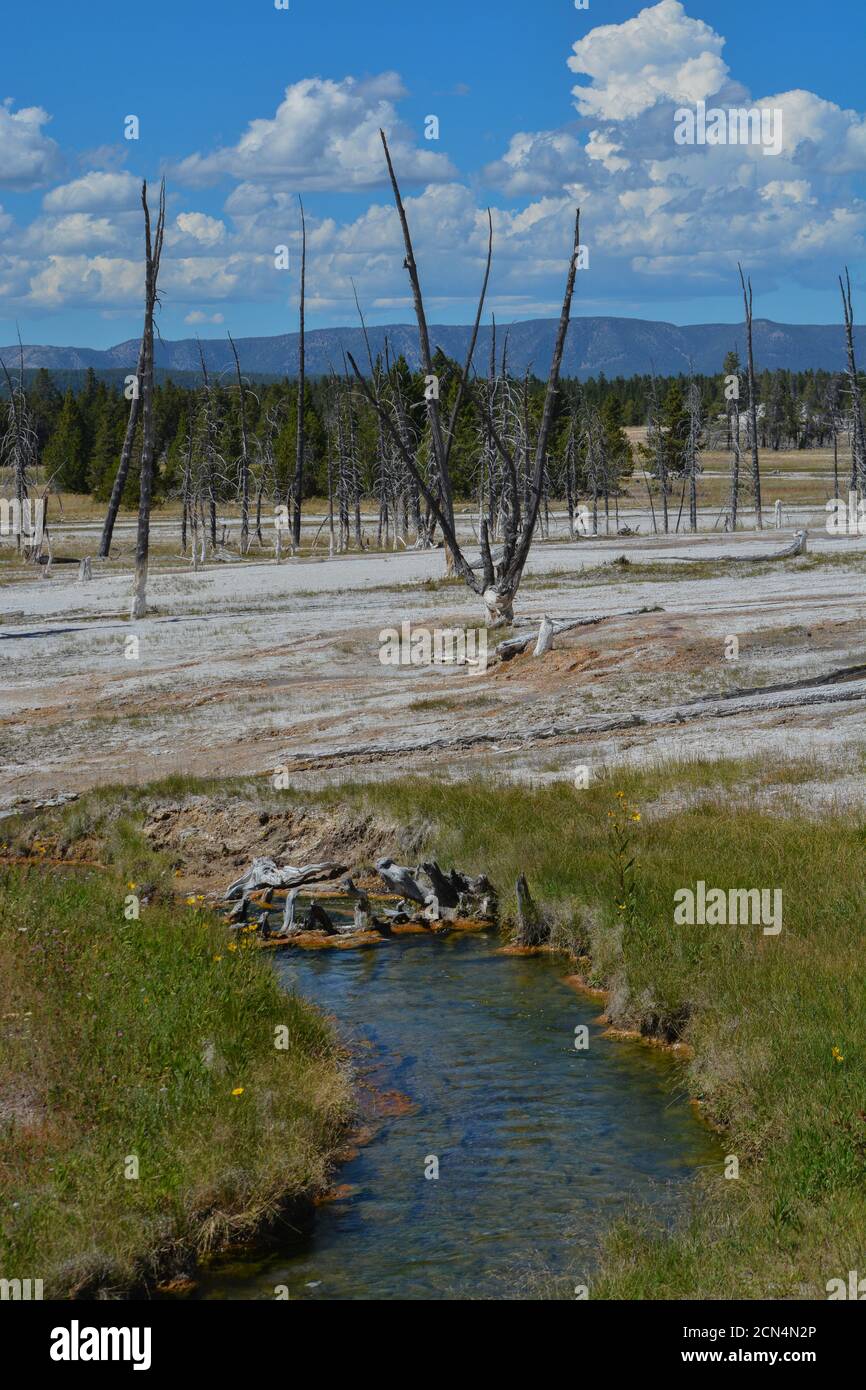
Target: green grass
x,y
126,1039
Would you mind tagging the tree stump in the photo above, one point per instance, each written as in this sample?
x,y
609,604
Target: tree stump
x,y
318,920
545,637
532,930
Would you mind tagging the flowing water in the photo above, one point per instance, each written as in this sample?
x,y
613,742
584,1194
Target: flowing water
x,y
539,1145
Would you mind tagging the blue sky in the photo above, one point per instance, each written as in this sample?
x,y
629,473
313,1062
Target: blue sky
x,y
664,227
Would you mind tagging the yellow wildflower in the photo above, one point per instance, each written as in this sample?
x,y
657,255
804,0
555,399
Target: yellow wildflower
x,y
238,1091
837,1055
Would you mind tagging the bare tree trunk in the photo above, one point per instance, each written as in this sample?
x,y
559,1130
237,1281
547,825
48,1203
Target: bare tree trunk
x,y
753,404
210,461
330,502
694,403
858,442
245,463
125,460
187,486
153,252
734,434
300,442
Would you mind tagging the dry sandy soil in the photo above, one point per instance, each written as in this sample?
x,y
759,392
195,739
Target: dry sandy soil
x,y
245,667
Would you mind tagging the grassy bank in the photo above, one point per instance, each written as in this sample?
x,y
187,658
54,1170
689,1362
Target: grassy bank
x,y
146,1047
763,1014
132,1037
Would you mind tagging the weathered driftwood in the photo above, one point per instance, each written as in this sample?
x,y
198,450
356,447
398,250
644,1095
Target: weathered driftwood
x,y
401,880
441,896
288,921
442,885
238,914
532,930
263,873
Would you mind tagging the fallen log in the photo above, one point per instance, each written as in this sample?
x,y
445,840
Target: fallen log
x,y
798,546
512,646
523,736
836,677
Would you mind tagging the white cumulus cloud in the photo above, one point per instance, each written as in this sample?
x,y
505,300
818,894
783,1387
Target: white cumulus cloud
x,y
659,54
27,157
95,191
324,135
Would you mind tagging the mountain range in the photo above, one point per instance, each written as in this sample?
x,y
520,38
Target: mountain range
x,y
615,346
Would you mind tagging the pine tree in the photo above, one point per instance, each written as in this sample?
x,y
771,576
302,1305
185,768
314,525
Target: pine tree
x,y
107,443
65,455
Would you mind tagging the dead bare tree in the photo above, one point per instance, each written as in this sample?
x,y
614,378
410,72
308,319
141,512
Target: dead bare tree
x,y
125,459
833,417
244,459
300,442
734,437
153,254
858,441
693,448
209,429
19,449
753,400
267,465
499,580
